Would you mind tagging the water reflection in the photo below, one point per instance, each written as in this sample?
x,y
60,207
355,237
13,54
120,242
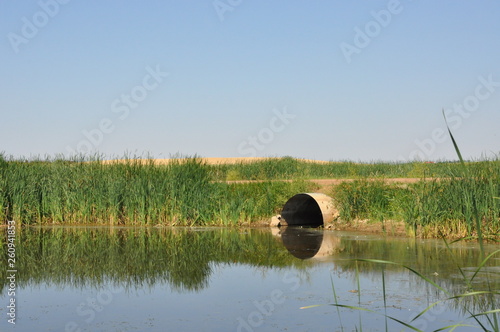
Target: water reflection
x,y
306,243
185,257
182,257
447,265
454,268
188,258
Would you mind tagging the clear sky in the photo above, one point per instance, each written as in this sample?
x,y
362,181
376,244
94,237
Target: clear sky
x,y
330,80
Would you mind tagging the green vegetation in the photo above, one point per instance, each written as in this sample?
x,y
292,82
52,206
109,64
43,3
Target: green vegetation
x,y
462,202
290,168
190,192
444,202
478,305
467,198
180,193
474,290
428,208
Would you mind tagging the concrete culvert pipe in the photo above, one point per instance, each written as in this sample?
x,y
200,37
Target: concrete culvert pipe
x,y
308,209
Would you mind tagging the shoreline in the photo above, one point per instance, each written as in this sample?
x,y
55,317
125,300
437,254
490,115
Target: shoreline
x,y
387,228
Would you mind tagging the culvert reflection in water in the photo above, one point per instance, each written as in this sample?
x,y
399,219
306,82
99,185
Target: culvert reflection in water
x,y
306,243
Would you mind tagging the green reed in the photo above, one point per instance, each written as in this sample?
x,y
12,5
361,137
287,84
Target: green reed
x,y
471,289
364,199
290,168
468,196
132,192
191,192
448,205
455,199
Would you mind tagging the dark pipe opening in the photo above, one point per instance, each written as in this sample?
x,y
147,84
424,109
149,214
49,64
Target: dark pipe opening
x,y
302,243
302,210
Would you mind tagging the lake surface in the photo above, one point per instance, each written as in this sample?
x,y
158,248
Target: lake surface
x,y
221,279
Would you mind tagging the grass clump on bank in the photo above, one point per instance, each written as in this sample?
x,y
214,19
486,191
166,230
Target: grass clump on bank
x,y
132,192
463,203
469,197
446,205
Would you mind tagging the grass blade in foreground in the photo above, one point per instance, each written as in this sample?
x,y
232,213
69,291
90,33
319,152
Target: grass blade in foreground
x,y
455,145
336,302
379,261
474,200
366,310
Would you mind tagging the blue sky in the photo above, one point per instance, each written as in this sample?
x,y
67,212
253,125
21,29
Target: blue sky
x,y
330,80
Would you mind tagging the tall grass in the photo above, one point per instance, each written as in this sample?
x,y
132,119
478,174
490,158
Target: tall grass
x,y
365,199
132,192
290,168
430,207
190,192
469,196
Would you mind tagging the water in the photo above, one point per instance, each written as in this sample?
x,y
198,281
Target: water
x,y
220,279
